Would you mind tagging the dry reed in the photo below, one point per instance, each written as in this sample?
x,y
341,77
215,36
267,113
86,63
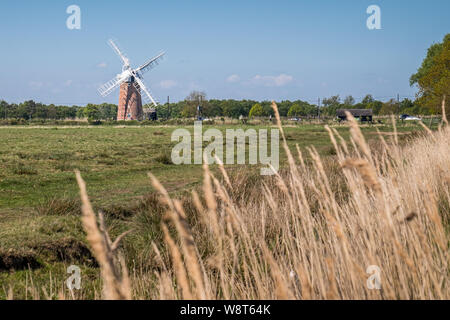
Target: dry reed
x,y
299,237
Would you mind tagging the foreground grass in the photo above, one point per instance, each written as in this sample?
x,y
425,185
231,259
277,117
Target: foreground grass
x,y
307,234
39,208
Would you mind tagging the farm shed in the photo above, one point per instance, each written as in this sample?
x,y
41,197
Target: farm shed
x,y
362,115
150,114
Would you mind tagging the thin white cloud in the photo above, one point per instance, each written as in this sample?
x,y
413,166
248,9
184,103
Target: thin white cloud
x,y
68,83
167,84
233,78
102,65
272,81
36,84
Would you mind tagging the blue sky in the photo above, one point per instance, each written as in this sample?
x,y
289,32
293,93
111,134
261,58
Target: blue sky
x,y
229,49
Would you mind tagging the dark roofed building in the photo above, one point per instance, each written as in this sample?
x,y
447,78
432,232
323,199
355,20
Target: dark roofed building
x,y
150,114
362,114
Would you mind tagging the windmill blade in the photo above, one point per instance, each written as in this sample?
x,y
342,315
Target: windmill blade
x,y
147,97
153,62
122,56
110,86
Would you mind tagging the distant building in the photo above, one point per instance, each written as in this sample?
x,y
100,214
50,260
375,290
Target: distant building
x,y
150,114
363,115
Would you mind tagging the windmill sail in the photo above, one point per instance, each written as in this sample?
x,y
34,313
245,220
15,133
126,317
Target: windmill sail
x,y
146,97
109,87
151,63
121,55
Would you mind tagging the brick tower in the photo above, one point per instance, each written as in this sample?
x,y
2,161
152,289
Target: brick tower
x,y
130,102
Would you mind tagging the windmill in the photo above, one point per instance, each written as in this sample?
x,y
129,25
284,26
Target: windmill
x,y
131,85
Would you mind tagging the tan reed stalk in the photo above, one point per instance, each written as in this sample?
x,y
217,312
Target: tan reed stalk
x,y
115,285
180,271
187,240
444,113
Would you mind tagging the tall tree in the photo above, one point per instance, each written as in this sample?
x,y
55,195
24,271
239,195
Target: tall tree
x,y
367,99
192,101
389,107
349,101
332,101
375,106
433,76
92,112
331,105
256,111
296,110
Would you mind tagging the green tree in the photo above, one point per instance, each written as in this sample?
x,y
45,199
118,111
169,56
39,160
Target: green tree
x,y
192,101
256,111
389,107
71,112
26,110
108,111
375,106
349,101
434,50
406,106
246,106
233,108
296,110
213,109
332,101
367,99
80,113
175,109
4,109
51,112
331,105
92,112
284,107
41,111
433,76
162,111
267,108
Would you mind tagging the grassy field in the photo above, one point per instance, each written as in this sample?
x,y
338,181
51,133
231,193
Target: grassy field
x,y
36,164
40,229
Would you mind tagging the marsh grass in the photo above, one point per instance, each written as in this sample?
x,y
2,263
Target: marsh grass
x,y
302,235
308,232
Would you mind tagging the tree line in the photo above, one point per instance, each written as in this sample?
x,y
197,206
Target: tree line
x,y
188,108
212,108
30,110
